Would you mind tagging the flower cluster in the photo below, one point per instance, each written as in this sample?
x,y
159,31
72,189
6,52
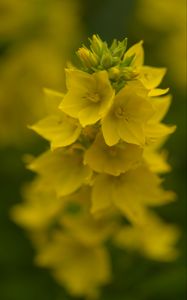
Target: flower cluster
x,y
101,177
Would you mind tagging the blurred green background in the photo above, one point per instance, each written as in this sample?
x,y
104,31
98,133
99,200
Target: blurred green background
x,y
164,40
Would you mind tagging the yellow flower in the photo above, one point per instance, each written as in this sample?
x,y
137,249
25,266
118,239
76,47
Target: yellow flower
x,y
131,193
63,170
112,160
40,207
89,96
77,219
150,77
127,118
59,129
153,239
81,269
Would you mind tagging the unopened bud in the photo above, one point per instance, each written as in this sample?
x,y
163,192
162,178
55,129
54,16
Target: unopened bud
x,y
96,44
87,57
107,60
114,73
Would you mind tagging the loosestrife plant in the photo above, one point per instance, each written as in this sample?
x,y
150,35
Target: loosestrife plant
x,y
100,179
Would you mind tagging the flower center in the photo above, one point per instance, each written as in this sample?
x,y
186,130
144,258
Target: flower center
x,y
94,97
113,151
120,112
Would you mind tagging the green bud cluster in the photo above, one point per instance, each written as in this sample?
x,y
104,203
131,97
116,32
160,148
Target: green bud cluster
x,y
100,56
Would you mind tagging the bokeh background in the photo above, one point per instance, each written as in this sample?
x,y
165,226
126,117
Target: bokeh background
x,y
37,37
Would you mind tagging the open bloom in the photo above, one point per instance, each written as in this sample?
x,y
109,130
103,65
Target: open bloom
x,y
132,193
80,268
63,170
89,96
59,129
154,239
150,77
127,118
112,160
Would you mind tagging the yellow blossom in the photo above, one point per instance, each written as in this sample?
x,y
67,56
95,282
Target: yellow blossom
x,y
127,118
40,208
153,239
77,219
150,77
80,268
112,160
89,96
63,170
59,129
131,193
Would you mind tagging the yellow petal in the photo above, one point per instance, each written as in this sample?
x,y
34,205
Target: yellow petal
x,y
157,92
155,131
78,80
59,129
109,129
89,115
136,49
73,103
52,100
132,132
151,77
161,106
102,195
156,160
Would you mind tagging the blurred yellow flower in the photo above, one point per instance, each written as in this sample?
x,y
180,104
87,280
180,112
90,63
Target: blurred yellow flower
x,y
35,55
153,239
40,208
63,170
80,268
